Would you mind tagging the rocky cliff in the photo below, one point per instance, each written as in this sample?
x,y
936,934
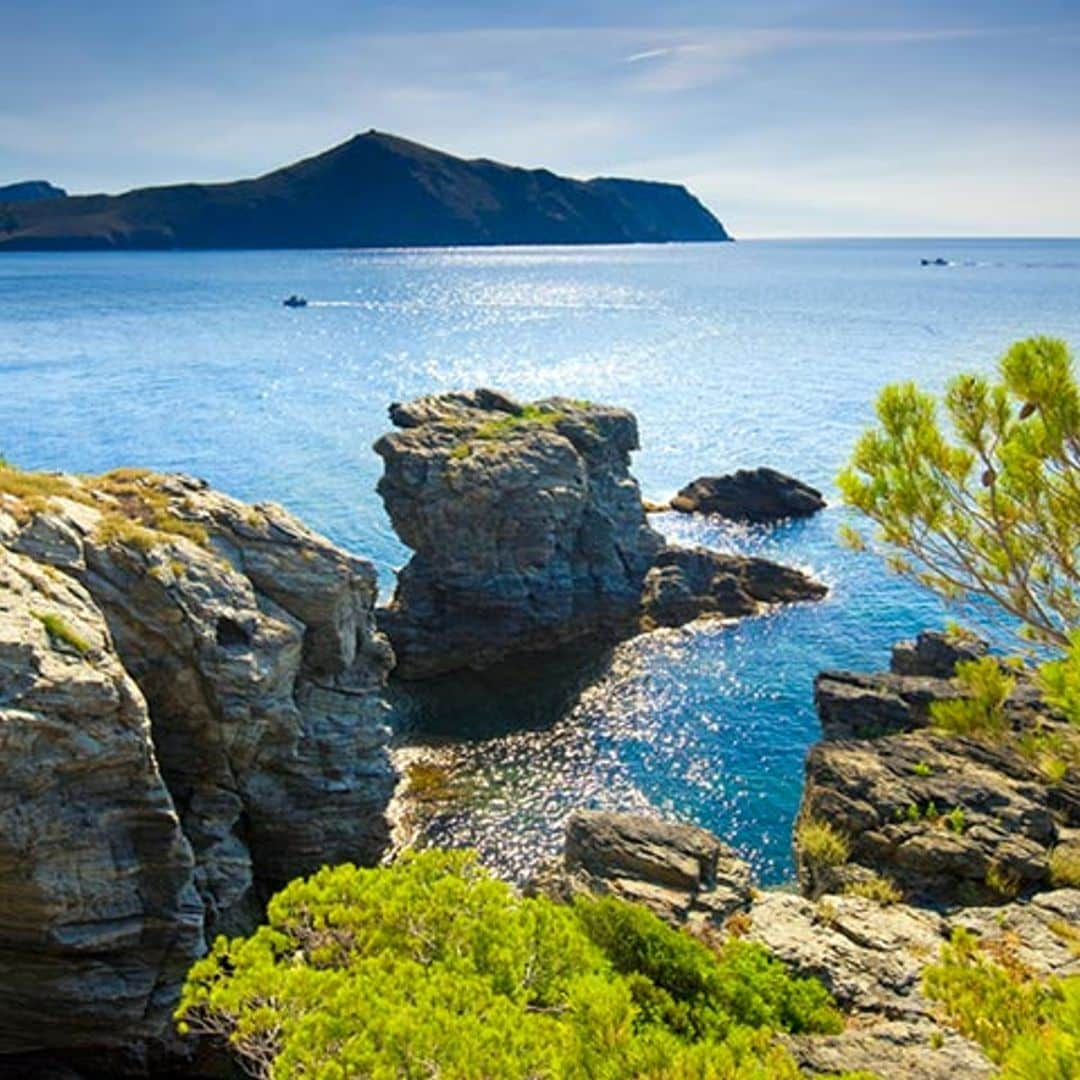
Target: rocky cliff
x,y
375,190
527,527
528,532
191,714
947,818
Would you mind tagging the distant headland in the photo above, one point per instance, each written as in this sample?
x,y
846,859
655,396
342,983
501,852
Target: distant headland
x,y
376,190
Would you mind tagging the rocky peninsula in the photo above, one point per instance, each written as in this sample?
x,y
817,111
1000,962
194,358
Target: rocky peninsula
x,y
375,190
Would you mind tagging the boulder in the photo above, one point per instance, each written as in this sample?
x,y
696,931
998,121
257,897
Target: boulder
x,y
691,583
99,914
754,495
682,872
935,654
526,526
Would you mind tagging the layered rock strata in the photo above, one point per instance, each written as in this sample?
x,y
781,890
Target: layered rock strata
x,y
948,818
249,727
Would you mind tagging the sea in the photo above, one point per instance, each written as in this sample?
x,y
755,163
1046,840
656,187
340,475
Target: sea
x,y
731,355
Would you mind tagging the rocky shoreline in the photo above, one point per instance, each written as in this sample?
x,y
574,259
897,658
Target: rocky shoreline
x,y
197,697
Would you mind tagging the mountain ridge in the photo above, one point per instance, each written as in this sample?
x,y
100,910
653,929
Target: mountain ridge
x,y
373,190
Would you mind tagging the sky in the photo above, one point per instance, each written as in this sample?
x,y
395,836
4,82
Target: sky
x,y
787,118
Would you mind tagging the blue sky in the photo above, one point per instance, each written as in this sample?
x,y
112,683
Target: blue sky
x,y
789,118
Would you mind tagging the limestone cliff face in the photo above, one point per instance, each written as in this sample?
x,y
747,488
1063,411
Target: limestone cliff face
x,y
258,719
99,915
527,527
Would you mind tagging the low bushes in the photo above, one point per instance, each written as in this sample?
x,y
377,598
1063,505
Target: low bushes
x,y
432,967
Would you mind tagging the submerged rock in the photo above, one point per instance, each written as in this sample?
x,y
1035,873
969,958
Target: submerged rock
x,y
259,720
753,495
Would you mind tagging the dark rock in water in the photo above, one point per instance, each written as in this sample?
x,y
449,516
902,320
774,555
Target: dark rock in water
x,y
526,524
689,583
935,654
375,190
681,872
753,495
28,191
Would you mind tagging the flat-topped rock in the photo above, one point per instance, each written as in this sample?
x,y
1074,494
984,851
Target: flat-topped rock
x,y
753,495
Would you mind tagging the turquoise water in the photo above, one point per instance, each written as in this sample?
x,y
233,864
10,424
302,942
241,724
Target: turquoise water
x,y
731,355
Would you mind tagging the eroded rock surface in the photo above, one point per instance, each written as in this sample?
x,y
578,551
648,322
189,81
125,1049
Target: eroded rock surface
x,y
753,495
99,915
253,646
948,818
526,524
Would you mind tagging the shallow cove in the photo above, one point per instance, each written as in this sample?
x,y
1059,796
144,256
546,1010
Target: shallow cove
x,y
730,355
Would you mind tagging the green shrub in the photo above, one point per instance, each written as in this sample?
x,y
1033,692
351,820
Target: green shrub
x,y
821,844
1030,1027
681,983
981,712
59,632
431,967
922,768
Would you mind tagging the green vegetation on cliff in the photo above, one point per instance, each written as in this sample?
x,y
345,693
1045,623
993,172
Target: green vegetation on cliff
x,y
432,967
1030,1027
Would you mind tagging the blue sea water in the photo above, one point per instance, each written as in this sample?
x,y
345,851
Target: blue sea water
x,y
731,355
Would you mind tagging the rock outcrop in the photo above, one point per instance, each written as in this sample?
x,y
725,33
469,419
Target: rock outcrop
x,y
948,818
753,495
693,583
528,532
99,915
526,525
683,873
258,724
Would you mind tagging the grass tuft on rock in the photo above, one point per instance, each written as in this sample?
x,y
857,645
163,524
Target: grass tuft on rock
x,y
821,844
61,633
881,890
1065,866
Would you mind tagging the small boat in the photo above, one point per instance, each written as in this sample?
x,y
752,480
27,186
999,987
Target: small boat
x,y
295,301
934,262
